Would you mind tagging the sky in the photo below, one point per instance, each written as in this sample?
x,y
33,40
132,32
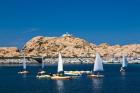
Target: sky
x,y
97,21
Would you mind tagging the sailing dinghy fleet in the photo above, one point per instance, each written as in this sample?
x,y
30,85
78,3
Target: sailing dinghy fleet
x,y
97,71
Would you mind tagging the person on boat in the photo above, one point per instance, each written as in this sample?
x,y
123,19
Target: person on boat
x,y
96,73
41,72
51,74
60,73
23,70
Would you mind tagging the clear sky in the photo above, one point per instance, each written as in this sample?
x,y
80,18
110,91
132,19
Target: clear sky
x,y
97,21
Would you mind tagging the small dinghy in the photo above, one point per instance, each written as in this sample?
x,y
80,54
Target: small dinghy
x,y
60,73
24,71
42,70
124,64
42,74
98,67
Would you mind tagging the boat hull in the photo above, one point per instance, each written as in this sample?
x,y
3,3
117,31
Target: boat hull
x,y
23,72
73,73
96,76
42,72
122,70
60,77
43,76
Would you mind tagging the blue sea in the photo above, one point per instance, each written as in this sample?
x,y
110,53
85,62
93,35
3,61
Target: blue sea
x,y
113,82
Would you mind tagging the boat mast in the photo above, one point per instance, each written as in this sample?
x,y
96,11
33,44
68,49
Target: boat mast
x,y
42,63
24,63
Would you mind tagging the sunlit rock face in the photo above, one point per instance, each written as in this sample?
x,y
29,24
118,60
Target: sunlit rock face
x,y
71,46
68,45
118,51
9,52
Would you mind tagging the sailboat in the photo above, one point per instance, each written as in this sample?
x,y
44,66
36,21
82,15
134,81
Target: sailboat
x,y
42,74
124,64
60,71
42,71
24,71
98,67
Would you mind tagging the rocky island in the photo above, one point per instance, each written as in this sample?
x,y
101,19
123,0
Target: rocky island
x,y
75,49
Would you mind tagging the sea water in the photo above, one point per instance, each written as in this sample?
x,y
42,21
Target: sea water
x,y
113,82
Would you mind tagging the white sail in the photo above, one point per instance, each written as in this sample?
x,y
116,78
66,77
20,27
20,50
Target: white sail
x,y
42,63
124,62
98,65
60,64
24,63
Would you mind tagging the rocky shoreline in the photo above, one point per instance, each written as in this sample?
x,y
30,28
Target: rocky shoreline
x,y
46,60
17,60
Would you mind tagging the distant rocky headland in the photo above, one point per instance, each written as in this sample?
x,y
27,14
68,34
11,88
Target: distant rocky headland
x,y
70,47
